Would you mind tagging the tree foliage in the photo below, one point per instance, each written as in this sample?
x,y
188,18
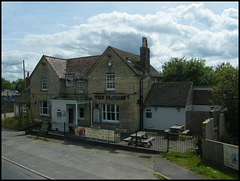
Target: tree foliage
x,y
224,81
226,95
181,69
14,85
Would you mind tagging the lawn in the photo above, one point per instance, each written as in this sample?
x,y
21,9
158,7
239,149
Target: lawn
x,y
201,168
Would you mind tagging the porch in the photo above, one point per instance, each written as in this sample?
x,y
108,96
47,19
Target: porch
x,y
69,113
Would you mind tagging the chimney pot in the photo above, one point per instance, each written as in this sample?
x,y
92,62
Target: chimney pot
x,y
144,42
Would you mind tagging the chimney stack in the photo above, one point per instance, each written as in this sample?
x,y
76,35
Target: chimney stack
x,y
145,56
27,80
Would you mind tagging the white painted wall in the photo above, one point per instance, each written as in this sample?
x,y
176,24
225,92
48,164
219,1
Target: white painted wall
x,y
202,107
62,106
164,117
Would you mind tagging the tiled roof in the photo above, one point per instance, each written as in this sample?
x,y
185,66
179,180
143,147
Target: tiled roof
x,y
169,94
81,65
58,64
22,98
133,60
202,97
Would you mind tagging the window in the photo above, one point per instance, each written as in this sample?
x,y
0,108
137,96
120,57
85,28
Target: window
x,y
44,82
80,86
69,80
148,113
81,113
110,112
43,108
59,113
110,81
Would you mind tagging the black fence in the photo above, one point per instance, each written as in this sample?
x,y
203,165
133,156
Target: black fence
x,y
162,142
165,142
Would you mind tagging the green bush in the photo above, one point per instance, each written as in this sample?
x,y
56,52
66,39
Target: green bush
x,y
15,123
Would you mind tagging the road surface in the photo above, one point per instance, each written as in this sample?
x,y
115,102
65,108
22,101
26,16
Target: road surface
x,y
61,159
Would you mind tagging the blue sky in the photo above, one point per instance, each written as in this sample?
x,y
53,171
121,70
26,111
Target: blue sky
x,y
207,30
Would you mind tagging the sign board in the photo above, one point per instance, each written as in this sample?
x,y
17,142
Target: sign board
x,y
231,156
102,134
96,116
69,80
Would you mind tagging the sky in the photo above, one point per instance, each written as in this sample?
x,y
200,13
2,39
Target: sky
x,y
202,30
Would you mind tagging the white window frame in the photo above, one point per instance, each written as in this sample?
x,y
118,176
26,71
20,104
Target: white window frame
x,y
110,81
110,113
80,86
44,109
44,83
148,114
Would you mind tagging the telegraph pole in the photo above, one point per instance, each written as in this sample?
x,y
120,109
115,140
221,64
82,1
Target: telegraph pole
x,y
24,74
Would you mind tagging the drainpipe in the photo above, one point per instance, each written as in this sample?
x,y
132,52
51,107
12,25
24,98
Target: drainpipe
x,y
76,120
141,102
91,113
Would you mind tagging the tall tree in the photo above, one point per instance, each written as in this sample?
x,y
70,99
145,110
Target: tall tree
x,y
226,95
181,69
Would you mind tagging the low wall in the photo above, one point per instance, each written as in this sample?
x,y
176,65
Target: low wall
x,y
220,153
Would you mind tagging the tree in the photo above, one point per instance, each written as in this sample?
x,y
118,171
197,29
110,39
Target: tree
x,y
14,85
225,94
180,69
18,85
5,84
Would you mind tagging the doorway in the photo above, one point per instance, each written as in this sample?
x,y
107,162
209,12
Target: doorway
x,y
70,118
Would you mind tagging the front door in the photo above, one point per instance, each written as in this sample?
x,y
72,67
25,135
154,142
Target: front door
x,y
70,117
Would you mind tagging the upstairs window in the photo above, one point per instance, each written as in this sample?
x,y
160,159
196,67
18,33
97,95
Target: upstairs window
x,y
44,83
80,86
110,81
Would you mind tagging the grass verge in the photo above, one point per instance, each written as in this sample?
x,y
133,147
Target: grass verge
x,y
201,168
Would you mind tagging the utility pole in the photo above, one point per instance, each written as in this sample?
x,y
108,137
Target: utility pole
x,y
24,74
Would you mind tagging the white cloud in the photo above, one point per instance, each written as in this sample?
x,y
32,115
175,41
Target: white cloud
x,y
184,31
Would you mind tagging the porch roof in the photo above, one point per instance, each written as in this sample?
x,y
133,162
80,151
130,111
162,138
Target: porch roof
x,y
71,101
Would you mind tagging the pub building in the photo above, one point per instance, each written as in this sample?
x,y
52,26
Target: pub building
x,y
105,91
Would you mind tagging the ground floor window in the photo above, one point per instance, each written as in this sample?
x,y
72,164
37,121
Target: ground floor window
x,y
110,113
44,108
148,113
81,113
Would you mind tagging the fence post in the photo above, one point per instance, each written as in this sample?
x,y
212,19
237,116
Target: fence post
x,y
136,139
167,142
64,128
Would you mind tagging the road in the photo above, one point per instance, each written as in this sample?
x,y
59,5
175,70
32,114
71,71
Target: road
x,y
61,159
15,171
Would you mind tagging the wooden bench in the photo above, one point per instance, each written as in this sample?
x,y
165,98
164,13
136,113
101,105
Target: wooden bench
x,y
148,140
167,131
129,140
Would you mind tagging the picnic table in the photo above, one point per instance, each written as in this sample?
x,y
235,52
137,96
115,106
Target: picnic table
x,y
177,130
139,139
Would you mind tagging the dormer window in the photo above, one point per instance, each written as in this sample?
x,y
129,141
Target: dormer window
x,y
69,80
